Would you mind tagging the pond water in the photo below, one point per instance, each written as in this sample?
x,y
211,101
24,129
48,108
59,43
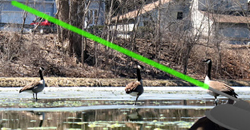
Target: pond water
x,y
106,108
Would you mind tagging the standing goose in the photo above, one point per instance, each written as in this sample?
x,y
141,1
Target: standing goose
x,y
35,87
217,85
135,88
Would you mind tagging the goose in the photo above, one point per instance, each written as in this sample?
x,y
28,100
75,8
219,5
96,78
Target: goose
x,y
217,85
35,87
135,88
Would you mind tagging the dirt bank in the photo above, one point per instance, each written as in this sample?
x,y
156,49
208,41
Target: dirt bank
x,y
98,82
22,55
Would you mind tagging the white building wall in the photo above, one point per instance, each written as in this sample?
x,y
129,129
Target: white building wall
x,y
201,24
124,27
11,14
233,33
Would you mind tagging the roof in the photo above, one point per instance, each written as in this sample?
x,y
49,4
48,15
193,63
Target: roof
x,y
222,18
146,8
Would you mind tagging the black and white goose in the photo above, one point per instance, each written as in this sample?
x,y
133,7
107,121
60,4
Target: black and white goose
x,y
35,87
217,85
135,88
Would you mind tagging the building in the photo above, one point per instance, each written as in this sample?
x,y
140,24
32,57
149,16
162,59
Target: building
x,y
11,14
225,18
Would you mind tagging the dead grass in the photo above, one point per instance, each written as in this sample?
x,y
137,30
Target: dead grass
x,y
101,82
21,56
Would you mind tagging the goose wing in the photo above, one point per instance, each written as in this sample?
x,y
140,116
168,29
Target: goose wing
x,y
132,86
29,86
222,87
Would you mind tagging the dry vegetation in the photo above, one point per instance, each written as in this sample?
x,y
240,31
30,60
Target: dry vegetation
x,y
22,55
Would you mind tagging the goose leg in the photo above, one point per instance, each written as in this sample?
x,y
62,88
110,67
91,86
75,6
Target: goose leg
x,y
33,95
136,99
216,100
36,96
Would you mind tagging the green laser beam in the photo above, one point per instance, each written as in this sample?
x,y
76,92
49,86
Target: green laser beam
x,y
110,45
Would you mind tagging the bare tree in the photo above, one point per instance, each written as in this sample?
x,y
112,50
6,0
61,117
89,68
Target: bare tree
x,y
74,46
84,7
158,32
24,16
135,27
62,14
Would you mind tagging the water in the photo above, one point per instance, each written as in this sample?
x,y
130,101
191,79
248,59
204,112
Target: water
x,y
71,108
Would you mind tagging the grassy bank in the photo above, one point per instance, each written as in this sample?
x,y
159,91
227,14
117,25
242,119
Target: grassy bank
x,y
99,82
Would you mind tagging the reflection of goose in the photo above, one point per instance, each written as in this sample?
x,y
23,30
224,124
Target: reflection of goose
x,y
217,85
40,115
41,118
134,116
35,87
1,123
135,88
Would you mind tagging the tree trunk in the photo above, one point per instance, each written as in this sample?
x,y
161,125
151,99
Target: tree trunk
x,y
84,39
108,19
158,40
135,28
74,39
185,59
24,17
63,15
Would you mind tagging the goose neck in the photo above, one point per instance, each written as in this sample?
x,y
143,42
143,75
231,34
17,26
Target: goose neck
x,y
41,74
209,70
138,74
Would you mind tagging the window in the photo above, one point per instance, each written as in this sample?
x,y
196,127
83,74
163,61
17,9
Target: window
x,y
92,17
179,15
145,23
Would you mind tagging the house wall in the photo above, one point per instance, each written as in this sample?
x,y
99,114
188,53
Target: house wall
x,y
201,24
169,16
169,12
97,6
231,33
180,24
235,33
193,19
11,14
123,27
223,5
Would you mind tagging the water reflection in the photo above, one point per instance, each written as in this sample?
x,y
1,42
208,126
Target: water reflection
x,y
52,103
205,124
23,119
133,116
40,115
102,114
142,118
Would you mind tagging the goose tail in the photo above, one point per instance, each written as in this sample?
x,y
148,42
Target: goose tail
x,y
232,93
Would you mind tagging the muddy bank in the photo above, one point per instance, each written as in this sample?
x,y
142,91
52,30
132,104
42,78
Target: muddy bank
x,y
98,82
